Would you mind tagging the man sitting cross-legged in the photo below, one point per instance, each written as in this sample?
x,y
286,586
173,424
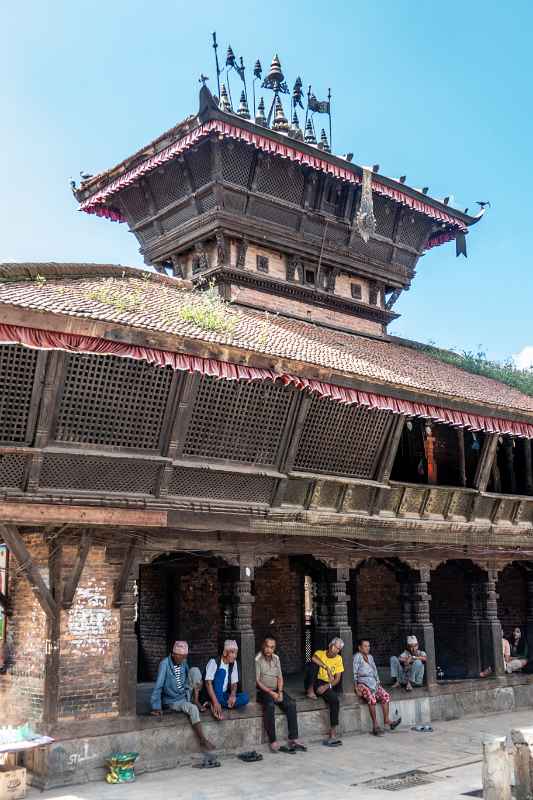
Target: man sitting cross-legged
x,y
221,681
176,684
270,693
323,676
368,687
408,669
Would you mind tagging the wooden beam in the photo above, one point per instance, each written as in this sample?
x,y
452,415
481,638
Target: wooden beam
x,y
390,448
462,457
74,577
16,545
486,459
120,585
51,513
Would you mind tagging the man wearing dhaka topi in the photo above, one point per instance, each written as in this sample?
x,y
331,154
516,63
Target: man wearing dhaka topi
x,y
178,688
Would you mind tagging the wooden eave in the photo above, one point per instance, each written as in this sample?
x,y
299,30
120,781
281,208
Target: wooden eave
x,y
116,332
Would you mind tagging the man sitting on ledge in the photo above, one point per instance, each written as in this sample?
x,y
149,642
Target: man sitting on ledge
x,y
221,681
174,687
408,669
368,687
323,676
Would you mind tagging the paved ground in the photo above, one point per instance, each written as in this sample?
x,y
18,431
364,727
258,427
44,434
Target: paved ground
x,y
450,754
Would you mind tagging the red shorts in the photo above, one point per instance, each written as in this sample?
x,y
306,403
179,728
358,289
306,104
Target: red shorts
x,y
380,696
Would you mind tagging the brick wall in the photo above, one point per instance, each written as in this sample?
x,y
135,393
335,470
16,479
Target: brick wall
x,y
22,686
90,641
200,612
279,597
512,600
152,621
375,610
450,612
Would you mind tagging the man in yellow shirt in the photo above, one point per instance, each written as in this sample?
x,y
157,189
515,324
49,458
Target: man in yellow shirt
x,y
323,676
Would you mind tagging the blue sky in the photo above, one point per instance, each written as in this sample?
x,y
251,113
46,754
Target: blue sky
x,y
441,92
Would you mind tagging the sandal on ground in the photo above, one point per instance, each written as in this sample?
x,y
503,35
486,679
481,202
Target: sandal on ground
x,y
286,749
332,742
250,756
394,725
298,746
208,763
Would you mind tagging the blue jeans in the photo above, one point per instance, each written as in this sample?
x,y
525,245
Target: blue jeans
x,y
414,673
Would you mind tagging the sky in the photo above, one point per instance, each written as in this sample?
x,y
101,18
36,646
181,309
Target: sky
x,y
440,92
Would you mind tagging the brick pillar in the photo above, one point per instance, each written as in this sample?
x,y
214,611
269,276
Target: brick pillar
x,y
339,624
238,616
473,630
491,629
422,626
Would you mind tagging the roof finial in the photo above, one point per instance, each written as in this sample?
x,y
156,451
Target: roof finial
x,y
224,103
295,131
280,120
324,144
243,110
309,137
260,118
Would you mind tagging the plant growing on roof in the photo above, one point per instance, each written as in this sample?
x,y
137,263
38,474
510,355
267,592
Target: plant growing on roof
x,y
123,294
208,310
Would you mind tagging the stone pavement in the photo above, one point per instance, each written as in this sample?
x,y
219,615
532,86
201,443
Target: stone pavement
x,y
451,754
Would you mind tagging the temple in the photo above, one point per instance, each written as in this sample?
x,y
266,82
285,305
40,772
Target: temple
x,y
232,444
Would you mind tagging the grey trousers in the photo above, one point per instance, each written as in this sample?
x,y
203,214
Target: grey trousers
x,y
414,673
185,706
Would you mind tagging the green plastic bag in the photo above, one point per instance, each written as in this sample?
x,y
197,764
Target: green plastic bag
x,y
121,767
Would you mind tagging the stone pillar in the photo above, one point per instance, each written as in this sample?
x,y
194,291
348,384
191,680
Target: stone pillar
x,y
238,624
473,631
522,739
496,770
491,628
422,626
339,624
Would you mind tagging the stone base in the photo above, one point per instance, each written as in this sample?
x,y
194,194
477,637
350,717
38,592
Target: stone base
x,y
79,752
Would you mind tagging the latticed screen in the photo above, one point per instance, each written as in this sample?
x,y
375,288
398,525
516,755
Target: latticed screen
x,y
414,230
385,213
200,165
341,440
277,178
12,470
134,202
236,162
221,485
17,373
112,401
168,184
238,420
95,474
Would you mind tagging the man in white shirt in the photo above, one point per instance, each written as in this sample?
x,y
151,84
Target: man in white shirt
x,y
221,681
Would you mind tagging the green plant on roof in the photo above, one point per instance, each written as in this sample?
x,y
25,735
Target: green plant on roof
x,y
208,310
122,294
478,363
40,280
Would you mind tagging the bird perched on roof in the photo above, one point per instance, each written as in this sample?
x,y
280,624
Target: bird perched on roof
x,y
483,203
446,201
465,211
72,184
349,156
85,176
403,178
425,190
375,168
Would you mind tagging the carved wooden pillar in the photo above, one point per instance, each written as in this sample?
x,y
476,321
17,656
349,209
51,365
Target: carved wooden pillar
x,y
473,630
491,629
128,646
422,626
528,466
508,465
339,624
529,617
238,615
321,632
406,610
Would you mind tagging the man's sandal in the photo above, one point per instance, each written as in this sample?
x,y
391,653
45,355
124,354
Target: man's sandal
x,y
332,742
394,725
250,756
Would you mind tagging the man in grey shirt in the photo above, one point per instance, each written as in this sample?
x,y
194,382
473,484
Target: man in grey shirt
x,y
368,687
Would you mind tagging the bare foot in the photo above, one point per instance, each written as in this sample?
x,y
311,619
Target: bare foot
x,y
312,696
485,672
207,745
408,687
274,746
396,685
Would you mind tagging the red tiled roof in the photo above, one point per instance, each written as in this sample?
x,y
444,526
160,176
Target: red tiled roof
x,y
151,302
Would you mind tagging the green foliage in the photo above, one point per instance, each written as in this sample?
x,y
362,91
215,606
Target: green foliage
x,y
120,293
478,363
209,311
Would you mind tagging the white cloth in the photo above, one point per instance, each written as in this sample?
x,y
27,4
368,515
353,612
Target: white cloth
x,y
212,667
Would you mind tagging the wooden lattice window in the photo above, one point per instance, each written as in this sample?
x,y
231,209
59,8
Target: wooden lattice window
x,y
221,485
17,374
341,440
106,400
236,162
199,162
238,420
414,229
276,177
168,184
12,468
95,474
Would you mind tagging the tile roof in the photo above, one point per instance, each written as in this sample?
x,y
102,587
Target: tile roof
x,y
152,302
